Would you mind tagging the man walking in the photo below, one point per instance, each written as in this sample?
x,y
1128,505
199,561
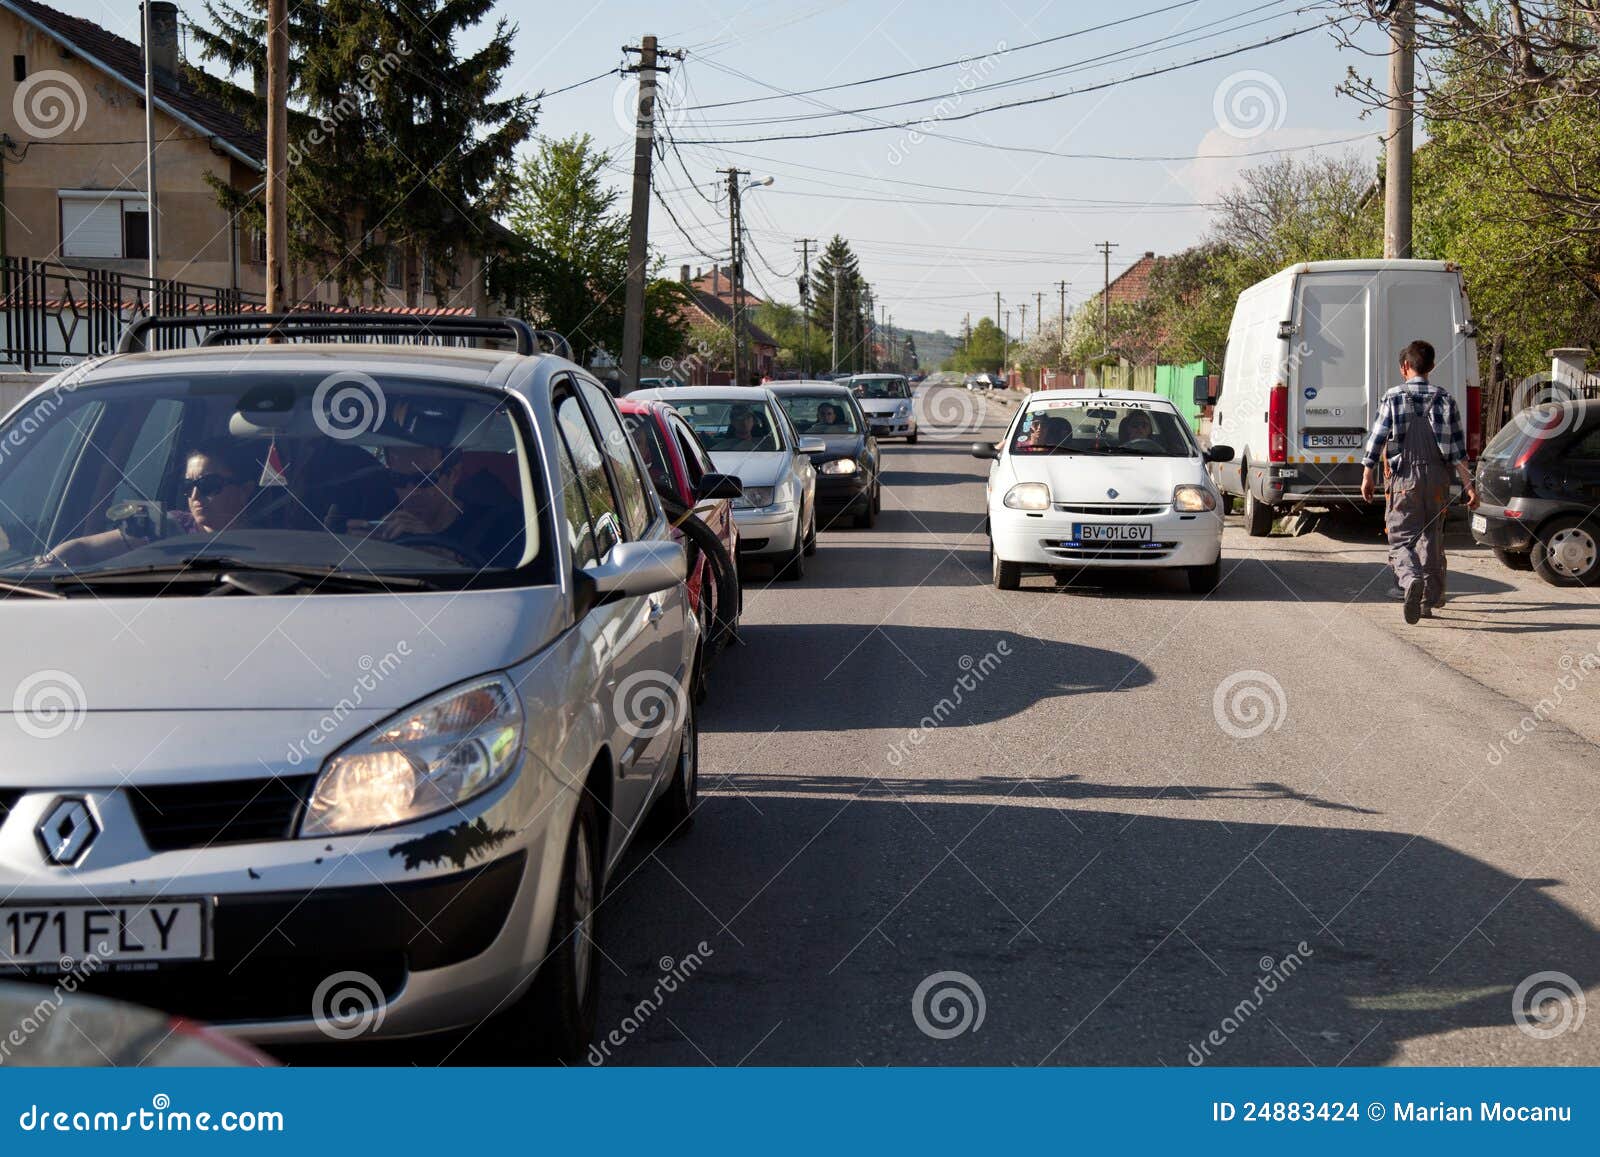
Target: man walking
x,y
1418,430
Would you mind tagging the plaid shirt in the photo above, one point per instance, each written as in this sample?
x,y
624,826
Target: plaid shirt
x,y
1401,404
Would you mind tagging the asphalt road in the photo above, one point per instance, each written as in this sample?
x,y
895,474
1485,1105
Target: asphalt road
x,y
1044,796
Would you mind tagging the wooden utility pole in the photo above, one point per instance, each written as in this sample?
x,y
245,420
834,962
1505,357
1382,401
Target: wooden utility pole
x,y
805,300
1022,325
639,217
151,209
1105,248
736,271
1397,166
277,152
1038,313
1061,336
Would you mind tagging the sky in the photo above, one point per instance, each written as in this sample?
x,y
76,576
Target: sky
x,y
940,224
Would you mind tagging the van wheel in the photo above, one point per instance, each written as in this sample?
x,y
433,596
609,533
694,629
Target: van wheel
x,y
555,1019
1258,516
1566,551
1204,579
1007,575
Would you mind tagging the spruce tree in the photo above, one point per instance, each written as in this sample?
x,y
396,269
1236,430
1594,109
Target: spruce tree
x,y
397,144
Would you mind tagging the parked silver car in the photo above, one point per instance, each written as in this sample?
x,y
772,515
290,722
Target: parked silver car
x,y
749,435
340,676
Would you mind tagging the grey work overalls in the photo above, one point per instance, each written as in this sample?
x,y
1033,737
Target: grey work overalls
x,y
1419,493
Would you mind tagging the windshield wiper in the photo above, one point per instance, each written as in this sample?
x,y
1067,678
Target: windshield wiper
x,y
218,565
25,589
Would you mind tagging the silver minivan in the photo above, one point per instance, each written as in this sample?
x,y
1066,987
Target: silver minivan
x,y
338,677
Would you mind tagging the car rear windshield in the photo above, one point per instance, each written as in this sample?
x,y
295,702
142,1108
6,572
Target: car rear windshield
x,y
880,387
820,413
366,475
727,426
1102,426
1526,430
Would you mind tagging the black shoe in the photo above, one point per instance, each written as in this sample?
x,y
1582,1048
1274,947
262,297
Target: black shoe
x,y
1413,602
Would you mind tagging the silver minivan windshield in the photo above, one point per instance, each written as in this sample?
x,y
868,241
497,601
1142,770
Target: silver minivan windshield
x,y
362,480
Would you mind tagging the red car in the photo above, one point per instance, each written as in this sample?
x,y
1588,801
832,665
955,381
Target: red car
x,y
685,479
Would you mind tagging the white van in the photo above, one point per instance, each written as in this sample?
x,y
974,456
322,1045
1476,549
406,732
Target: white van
x,y
1311,351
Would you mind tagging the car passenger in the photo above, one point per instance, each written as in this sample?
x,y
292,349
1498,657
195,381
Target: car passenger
x,y
742,433
430,506
219,486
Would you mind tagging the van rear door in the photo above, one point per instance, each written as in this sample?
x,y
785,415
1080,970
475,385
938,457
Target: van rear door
x,y
1331,370
1427,304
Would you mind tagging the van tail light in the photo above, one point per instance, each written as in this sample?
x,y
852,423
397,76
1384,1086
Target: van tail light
x,y
1278,424
1474,422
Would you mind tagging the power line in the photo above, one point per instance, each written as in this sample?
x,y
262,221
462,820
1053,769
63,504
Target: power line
x,y
1175,39
581,83
946,63
1047,98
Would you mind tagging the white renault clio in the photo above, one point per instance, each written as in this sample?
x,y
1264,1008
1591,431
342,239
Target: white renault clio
x,y
1102,479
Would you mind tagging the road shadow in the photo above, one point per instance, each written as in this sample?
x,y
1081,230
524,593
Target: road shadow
x,y
831,677
919,478
1259,579
848,563
956,523
1095,938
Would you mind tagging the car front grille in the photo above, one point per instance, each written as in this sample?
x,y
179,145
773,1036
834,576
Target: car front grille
x,y
1122,551
238,811
1110,509
8,799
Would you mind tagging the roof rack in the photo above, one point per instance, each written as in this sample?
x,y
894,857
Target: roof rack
x,y
226,328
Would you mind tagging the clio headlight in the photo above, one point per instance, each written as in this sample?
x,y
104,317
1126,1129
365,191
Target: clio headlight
x,y
1028,496
425,760
1192,499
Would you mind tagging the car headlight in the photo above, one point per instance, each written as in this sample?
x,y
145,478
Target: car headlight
x,y
1189,499
425,760
1028,496
839,466
756,496
903,409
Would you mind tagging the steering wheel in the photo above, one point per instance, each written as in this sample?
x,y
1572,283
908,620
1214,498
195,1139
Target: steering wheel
x,y
1144,444
441,544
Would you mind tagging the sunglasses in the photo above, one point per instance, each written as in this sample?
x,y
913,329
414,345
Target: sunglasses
x,y
208,485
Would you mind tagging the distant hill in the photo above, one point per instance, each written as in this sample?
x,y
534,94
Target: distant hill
x,y
933,346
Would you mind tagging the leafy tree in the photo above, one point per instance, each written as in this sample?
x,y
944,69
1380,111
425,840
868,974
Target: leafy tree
x,y
570,268
983,352
389,116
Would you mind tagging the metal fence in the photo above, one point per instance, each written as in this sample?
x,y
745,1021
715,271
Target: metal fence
x,y
52,315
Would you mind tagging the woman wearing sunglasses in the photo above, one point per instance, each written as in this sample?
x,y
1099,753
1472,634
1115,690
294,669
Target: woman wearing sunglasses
x,y
219,484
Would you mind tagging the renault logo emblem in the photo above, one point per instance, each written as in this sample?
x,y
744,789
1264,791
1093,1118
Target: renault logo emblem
x,y
67,830
1112,493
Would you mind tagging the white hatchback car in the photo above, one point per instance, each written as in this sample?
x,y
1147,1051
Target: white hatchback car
x,y
1090,479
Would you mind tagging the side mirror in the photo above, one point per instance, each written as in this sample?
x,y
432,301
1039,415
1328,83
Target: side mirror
x,y
714,486
811,446
986,450
632,569
1219,454
1202,390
